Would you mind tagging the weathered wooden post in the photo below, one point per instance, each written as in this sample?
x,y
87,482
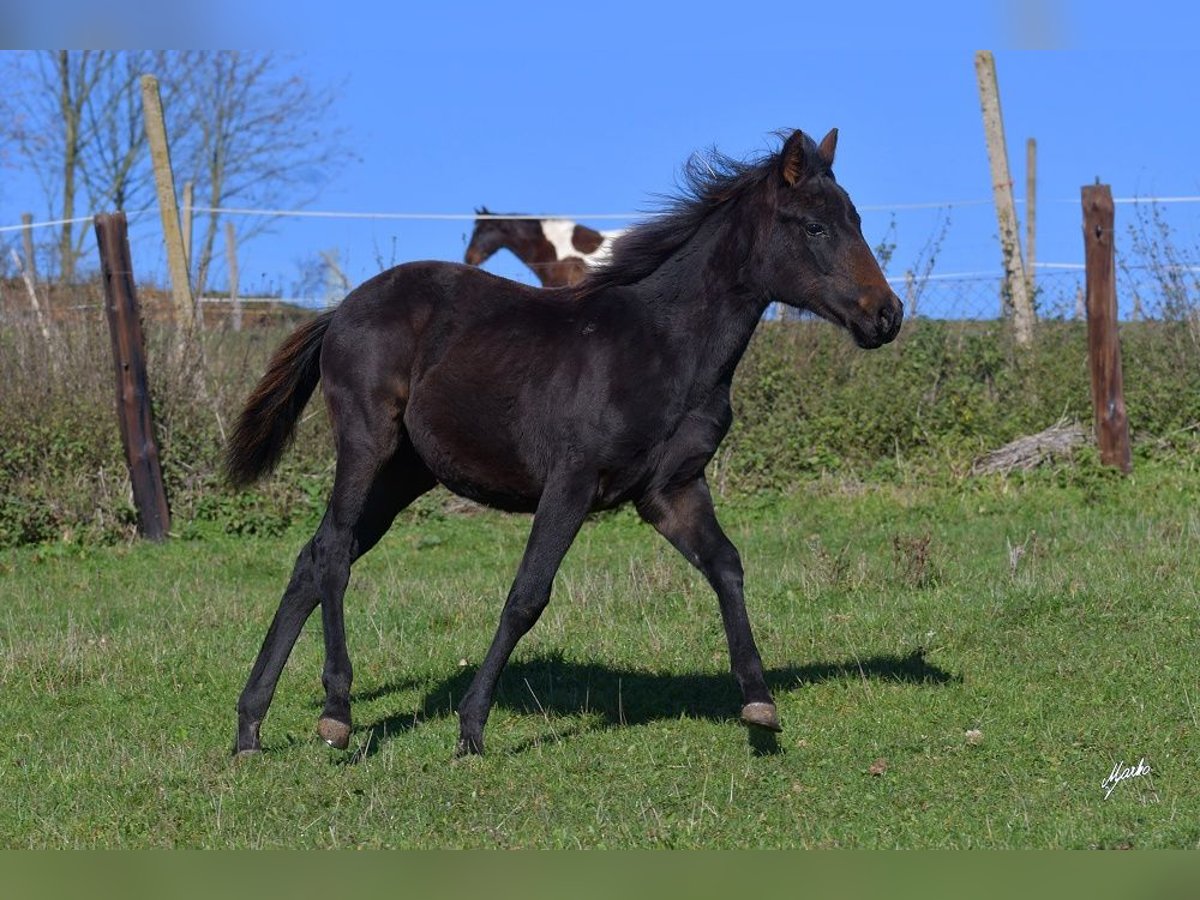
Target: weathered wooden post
x,y
43,321
164,182
28,271
133,391
1104,345
1018,303
1031,216
189,193
235,302
27,245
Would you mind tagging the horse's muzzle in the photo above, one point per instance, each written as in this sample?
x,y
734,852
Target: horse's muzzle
x,y
880,328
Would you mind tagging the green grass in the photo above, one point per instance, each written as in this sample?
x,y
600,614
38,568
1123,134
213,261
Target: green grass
x,y
1056,615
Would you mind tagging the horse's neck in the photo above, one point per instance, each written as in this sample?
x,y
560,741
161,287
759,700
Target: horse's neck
x,y
558,233
701,299
526,243
562,233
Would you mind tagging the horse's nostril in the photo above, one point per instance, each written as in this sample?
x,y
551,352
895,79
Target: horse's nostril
x,y
890,317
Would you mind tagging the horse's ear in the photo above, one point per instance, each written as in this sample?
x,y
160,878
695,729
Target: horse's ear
x,y
482,211
801,158
793,158
827,147
797,159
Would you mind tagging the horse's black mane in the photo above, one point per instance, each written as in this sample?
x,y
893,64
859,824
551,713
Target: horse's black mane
x,y
709,181
500,218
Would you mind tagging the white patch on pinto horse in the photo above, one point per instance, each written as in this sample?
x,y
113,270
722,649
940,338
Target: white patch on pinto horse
x,y
559,231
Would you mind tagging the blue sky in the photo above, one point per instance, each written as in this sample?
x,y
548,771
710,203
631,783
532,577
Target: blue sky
x,y
573,108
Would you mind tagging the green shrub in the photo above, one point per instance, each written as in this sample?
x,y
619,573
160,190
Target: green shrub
x,y
807,403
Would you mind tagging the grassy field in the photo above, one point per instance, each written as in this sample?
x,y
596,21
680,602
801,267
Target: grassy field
x,y
955,666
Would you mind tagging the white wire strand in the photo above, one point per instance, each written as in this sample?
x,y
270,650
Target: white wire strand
x,y
463,217
129,214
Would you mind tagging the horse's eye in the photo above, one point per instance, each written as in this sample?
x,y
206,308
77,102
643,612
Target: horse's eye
x,y
815,229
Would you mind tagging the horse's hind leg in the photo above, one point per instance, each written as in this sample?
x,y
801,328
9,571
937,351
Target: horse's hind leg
x,y
375,479
394,487
685,517
299,600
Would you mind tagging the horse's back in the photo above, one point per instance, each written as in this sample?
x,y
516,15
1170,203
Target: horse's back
x,y
435,305
496,384
402,313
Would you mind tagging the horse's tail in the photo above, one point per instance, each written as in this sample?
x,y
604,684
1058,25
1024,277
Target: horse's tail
x,y
267,423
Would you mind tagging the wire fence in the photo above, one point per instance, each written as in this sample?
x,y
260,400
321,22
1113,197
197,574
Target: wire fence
x,y
943,259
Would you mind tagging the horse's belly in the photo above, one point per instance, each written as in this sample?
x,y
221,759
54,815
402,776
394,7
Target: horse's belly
x,y
470,449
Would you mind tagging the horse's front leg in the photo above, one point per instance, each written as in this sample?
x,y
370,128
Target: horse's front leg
x,y
560,513
685,517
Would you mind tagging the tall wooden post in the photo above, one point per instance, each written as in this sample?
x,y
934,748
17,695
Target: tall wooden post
x,y
1104,346
1018,303
27,245
164,181
129,363
1031,215
235,302
189,192
43,322
28,271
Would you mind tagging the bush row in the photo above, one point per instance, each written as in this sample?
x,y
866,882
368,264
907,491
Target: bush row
x,y
943,395
807,404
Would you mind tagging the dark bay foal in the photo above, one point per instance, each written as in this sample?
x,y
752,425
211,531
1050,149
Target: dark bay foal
x,y
556,402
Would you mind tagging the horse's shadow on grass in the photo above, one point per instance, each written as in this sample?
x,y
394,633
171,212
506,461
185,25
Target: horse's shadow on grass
x,y
551,686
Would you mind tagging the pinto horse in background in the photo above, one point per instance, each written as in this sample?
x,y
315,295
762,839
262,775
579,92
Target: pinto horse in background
x,y
560,252
556,401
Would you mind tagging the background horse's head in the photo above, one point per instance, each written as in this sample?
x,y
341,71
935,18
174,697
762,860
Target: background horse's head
x,y
814,256
488,236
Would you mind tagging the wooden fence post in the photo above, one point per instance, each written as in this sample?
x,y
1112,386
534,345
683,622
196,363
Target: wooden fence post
x,y
1018,302
1104,345
43,321
1031,216
235,302
129,362
28,271
164,181
189,191
27,245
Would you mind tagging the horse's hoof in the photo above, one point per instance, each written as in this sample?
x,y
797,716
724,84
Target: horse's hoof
x,y
247,753
762,715
468,747
336,734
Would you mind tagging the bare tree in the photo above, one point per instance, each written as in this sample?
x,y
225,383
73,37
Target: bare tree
x,y
114,163
322,277
76,78
47,129
7,114
74,120
248,128
262,139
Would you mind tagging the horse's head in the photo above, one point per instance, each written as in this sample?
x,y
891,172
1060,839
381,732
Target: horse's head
x,y
487,237
815,257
